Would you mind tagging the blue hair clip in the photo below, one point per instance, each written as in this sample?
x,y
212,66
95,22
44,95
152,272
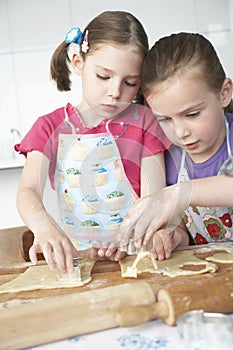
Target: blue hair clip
x,y
74,35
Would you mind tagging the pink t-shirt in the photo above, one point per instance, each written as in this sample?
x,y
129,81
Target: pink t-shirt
x,y
136,131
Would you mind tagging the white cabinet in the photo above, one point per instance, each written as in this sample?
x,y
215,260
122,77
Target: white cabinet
x,y
9,180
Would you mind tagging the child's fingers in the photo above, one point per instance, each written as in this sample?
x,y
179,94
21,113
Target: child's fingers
x,y
162,244
125,231
112,248
138,242
131,219
119,255
101,252
35,248
69,253
149,232
49,256
158,247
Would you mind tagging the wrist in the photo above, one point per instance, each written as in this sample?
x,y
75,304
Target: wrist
x,y
178,196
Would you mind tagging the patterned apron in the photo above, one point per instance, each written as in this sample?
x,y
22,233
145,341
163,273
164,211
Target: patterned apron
x,y
93,191
207,224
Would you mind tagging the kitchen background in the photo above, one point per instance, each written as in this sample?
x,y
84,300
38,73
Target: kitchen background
x,y
30,30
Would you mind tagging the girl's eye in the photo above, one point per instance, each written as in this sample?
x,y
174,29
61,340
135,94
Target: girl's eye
x,y
130,84
193,114
102,77
163,119
106,77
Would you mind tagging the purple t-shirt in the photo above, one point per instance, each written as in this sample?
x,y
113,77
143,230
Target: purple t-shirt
x,y
197,170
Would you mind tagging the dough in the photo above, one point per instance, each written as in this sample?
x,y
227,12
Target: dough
x,y
224,258
144,262
41,277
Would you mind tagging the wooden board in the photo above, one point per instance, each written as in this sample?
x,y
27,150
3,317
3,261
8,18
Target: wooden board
x,y
104,274
98,302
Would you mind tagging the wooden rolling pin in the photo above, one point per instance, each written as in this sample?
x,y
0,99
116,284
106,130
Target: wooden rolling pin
x,y
212,294
54,318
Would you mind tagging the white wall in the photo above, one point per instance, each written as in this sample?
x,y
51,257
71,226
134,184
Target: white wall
x,y
30,30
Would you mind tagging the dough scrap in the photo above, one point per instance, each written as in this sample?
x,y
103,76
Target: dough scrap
x,y
224,258
41,277
144,262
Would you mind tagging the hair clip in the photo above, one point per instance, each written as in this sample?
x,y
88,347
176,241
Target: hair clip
x,y
84,46
74,36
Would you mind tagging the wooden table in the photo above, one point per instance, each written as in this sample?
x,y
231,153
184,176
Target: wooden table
x,y
42,305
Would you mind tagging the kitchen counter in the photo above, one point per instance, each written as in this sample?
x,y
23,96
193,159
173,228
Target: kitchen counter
x,y
12,163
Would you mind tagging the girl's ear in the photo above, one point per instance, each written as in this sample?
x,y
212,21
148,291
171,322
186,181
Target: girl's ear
x,y
77,63
226,92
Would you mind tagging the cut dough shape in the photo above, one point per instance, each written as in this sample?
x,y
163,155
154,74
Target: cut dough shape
x,y
41,277
144,262
224,258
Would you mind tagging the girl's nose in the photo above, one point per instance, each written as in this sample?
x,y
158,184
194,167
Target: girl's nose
x,y
181,130
114,91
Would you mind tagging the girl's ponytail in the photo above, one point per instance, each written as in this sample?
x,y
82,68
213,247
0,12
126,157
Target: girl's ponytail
x,y
59,67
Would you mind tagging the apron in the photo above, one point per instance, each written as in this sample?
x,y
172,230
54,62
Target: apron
x,y
94,194
207,224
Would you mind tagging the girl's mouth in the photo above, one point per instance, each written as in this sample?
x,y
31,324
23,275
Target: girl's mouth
x,y
191,146
109,107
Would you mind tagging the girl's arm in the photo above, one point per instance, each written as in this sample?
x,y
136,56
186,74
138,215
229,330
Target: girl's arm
x,y
152,174
49,239
163,208
211,191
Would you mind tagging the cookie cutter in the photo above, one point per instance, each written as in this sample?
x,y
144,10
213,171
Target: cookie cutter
x,y
82,268
130,249
80,273
205,330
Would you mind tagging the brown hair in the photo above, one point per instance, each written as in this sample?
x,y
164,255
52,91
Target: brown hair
x,y
116,27
181,53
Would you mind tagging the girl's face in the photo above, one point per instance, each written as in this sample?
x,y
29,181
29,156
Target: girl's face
x,y
191,115
110,79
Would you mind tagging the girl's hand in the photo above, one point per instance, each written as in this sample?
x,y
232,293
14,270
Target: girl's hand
x,y
108,251
164,242
153,213
57,249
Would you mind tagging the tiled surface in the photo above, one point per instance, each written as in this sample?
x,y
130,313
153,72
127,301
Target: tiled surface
x,y
8,104
9,180
37,94
212,15
42,25
223,43
4,28
38,23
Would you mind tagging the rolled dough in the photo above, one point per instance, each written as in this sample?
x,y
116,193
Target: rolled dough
x,y
224,258
41,277
131,266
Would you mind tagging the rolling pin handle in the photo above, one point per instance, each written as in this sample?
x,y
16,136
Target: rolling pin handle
x,y
136,315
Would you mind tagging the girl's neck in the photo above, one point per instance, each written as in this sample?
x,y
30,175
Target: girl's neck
x,y
89,118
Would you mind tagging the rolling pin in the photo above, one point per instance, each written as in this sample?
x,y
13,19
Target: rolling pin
x,y
212,294
54,318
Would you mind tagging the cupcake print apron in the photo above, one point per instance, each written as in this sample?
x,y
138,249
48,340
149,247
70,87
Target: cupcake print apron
x,y
206,224
93,191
